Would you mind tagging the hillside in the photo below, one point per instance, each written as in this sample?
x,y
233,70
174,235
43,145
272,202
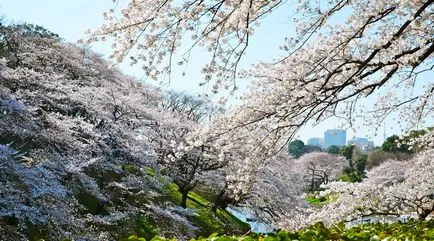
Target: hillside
x,y
76,158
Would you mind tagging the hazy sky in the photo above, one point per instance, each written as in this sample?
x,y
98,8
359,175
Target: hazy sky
x,y
70,19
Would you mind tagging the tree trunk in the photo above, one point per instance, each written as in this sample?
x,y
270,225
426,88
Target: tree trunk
x,y
312,183
184,194
423,214
220,202
214,208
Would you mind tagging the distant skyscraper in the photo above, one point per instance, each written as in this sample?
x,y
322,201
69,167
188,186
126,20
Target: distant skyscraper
x,y
336,137
316,142
363,144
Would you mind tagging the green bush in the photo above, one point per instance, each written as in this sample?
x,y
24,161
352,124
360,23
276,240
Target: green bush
x,y
413,230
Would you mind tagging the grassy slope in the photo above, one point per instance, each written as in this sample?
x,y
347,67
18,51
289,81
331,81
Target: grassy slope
x,y
221,222
208,222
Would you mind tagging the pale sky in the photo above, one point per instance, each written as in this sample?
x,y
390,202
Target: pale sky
x,y
70,19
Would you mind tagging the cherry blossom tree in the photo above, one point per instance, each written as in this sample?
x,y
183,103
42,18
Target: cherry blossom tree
x,y
392,188
319,168
187,164
185,159
195,108
387,39
155,30
276,193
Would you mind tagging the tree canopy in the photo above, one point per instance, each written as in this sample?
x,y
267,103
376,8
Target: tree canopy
x,y
391,145
333,149
343,52
296,148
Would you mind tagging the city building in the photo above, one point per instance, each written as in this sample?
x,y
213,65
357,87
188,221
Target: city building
x,y
336,137
316,142
364,144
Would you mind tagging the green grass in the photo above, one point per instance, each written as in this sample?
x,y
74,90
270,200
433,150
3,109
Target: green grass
x,y
171,193
144,228
317,201
228,217
192,196
132,169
